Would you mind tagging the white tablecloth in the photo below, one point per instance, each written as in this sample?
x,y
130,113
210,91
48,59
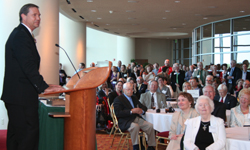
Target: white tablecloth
x,y
161,121
237,139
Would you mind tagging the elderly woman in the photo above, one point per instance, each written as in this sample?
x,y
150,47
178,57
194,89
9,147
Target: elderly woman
x,y
239,114
206,131
186,104
186,86
162,88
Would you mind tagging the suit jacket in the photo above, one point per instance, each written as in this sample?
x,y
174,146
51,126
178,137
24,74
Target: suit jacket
x,y
141,90
204,75
112,96
237,118
146,99
237,74
230,101
122,109
62,80
247,76
181,78
165,90
22,80
219,110
219,135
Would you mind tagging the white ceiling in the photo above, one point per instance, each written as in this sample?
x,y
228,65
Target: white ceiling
x,y
168,19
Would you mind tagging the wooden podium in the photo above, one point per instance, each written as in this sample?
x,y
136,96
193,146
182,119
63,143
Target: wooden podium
x,y
80,108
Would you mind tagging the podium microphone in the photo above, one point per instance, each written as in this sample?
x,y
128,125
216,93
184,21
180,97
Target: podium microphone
x,y
68,58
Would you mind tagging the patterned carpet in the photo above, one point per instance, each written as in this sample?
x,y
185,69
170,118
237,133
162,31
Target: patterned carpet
x,y
104,142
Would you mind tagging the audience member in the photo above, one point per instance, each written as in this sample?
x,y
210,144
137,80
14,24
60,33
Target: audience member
x,y
166,64
152,98
148,74
67,79
227,99
114,76
246,84
167,84
184,68
156,68
245,74
141,87
210,133
223,74
177,128
119,64
92,64
239,85
219,108
189,73
135,73
81,67
194,81
164,73
123,72
128,111
117,92
140,69
131,69
177,79
201,73
233,74
186,86
240,114
162,88
215,72
104,91
62,75
209,80
132,81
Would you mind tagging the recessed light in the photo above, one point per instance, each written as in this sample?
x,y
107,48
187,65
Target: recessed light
x,y
204,18
164,18
177,1
131,18
107,24
111,11
132,1
183,24
93,10
167,10
89,0
244,28
99,18
242,11
211,6
130,11
174,28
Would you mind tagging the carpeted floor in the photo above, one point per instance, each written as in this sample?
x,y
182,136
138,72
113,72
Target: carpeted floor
x,y
103,141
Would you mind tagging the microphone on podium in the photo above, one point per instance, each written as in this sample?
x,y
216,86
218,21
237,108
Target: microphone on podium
x,y
68,58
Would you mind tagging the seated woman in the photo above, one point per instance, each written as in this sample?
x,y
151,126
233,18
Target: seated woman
x,y
206,131
167,84
148,74
239,85
114,76
177,128
186,86
239,114
123,72
162,88
118,91
134,73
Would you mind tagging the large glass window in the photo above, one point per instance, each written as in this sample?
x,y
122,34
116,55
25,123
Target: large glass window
x,y
206,46
207,31
222,28
241,25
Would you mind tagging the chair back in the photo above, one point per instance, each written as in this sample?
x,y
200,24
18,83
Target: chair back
x,y
115,120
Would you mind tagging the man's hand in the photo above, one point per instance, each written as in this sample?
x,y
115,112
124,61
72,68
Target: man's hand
x,y
53,88
137,111
230,77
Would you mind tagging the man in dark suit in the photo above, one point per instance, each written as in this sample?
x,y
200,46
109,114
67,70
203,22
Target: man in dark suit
x,y
219,108
128,110
140,87
177,79
245,74
23,83
225,98
233,74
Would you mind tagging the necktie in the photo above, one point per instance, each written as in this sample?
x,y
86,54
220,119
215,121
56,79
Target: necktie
x,y
201,77
33,37
221,100
139,87
152,100
177,78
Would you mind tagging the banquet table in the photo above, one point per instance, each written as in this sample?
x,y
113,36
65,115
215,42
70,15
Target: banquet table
x,y
237,138
161,121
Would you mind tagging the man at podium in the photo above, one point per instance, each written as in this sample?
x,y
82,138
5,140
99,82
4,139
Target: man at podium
x,y
23,82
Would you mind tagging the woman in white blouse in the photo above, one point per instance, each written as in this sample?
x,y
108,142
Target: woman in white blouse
x,y
177,128
241,113
205,132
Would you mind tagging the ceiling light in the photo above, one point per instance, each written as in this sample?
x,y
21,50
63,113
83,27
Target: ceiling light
x,y
183,24
93,10
81,17
174,28
107,24
130,11
211,6
99,18
164,18
242,11
89,0
167,10
132,1
111,11
131,18
204,18
73,10
177,1
244,28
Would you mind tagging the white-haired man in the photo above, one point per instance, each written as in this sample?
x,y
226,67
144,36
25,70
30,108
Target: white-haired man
x,y
128,110
225,98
